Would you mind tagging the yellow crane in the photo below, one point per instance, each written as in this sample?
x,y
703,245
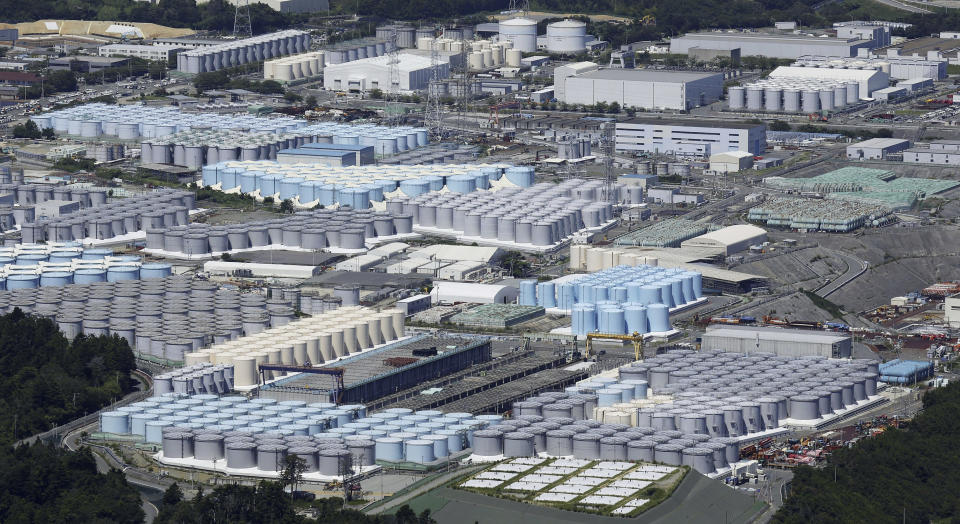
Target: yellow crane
x,y
636,338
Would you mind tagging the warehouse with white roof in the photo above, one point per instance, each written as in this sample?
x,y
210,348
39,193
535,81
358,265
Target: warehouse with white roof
x,y
368,74
728,240
641,88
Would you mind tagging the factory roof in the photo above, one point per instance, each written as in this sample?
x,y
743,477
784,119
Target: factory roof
x,y
335,147
445,291
785,335
823,72
776,37
688,122
314,152
880,142
732,234
731,154
648,75
458,253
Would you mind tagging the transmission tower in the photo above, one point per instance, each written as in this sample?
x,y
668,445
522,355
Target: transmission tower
x,y
519,6
607,145
433,119
242,27
391,105
462,84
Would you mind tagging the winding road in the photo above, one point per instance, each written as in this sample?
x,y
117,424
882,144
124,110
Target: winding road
x,y
855,268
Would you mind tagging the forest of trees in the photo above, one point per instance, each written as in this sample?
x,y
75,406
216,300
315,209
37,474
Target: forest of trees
x,y
41,483
267,502
910,475
48,380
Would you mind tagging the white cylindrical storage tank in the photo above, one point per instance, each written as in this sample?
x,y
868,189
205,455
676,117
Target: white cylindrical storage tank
x,y
209,447
514,56
422,451
567,36
486,443
754,98
804,407
735,97
791,100
700,459
771,98
810,99
839,96
177,444
826,99
518,444
522,32
853,92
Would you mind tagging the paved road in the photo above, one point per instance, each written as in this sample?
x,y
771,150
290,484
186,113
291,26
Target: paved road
x,y
855,268
905,7
422,488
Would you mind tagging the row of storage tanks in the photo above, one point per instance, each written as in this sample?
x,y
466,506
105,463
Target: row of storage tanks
x,y
197,379
159,208
540,215
31,194
358,49
407,36
619,300
695,418
245,51
11,175
794,95
26,266
343,228
296,67
199,147
317,339
259,433
358,186
161,318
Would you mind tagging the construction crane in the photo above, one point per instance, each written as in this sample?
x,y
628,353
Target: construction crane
x,y
636,338
336,373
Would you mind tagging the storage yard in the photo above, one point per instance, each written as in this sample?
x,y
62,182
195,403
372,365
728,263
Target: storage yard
x,y
589,278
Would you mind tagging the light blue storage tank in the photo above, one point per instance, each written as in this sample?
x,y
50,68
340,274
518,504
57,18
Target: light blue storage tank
x,y
89,276
389,449
600,293
56,278
521,175
419,451
566,295
3,283
436,183
607,397
116,422
546,295
658,316
22,282
269,184
619,294
584,318
481,179
462,183
96,254
456,439
686,287
639,387
328,194
612,320
636,318
248,181
633,292
6,261
375,192
676,289
155,270
154,430
290,187
650,294
414,187
118,273
310,191
423,138
528,293
209,175
388,186
61,256
697,284
230,178
666,295
30,259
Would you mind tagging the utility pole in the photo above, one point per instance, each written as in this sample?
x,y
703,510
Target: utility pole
x,y
242,26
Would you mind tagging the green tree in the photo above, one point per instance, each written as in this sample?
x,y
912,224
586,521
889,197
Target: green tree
x,y
286,206
614,107
376,94
173,495
310,101
48,133
779,125
292,97
292,474
61,81
27,130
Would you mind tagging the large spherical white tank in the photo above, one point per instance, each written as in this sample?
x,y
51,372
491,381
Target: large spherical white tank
x,y
522,32
567,36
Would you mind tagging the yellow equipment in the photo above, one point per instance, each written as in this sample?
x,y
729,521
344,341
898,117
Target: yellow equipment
x,y
648,20
636,338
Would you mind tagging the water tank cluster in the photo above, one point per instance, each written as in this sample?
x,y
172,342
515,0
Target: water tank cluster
x,y
296,67
405,34
485,54
357,49
567,37
453,45
159,208
198,379
318,229
794,95
358,186
28,196
619,300
733,394
245,51
317,339
161,318
58,264
538,216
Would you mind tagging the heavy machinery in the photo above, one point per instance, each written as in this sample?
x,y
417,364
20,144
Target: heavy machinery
x,y
636,338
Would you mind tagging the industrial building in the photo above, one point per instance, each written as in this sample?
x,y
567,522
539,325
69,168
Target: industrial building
x,y
728,240
796,89
561,73
328,154
689,138
86,64
453,292
233,53
731,161
672,195
415,73
944,152
156,52
876,148
898,67
773,45
287,6
780,342
641,88
868,80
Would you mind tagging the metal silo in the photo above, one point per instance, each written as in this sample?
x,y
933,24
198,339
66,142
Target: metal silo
x,y
754,98
771,97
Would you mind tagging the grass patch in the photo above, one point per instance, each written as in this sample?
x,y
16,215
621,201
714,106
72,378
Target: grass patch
x,y
824,304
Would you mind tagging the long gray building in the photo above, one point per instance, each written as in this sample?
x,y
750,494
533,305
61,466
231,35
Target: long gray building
x,y
689,138
642,88
770,44
783,342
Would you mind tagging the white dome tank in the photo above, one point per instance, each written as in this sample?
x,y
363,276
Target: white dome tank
x,y
567,36
521,31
